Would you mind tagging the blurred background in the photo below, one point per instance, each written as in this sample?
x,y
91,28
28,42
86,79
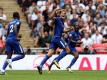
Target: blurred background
x,y
36,32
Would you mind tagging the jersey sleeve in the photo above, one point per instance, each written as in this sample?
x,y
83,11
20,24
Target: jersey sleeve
x,y
18,23
70,35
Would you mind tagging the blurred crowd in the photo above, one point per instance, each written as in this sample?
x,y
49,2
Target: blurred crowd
x,y
91,16
3,22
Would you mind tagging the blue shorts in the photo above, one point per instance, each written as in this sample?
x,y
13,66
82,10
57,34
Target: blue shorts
x,y
57,42
73,50
72,47
13,45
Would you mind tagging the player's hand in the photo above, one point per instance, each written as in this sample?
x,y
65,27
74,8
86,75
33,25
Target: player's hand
x,y
67,29
19,37
79,42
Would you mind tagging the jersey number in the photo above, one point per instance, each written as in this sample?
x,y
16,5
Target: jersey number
x,y
11,28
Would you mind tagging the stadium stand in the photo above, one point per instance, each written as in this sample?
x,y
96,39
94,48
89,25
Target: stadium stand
x,y
37,31
11,6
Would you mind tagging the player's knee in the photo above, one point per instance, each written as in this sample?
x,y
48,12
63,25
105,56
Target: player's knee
x,y
76,56
68,51
9,56
49,55
50,52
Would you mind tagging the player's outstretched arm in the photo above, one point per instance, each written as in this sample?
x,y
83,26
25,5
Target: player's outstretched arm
x,y
54,13
68,29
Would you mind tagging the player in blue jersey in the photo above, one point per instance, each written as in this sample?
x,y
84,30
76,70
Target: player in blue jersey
x,y
59,15
73,39
12,42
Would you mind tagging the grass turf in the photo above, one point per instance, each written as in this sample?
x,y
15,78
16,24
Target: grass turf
x,y
55,75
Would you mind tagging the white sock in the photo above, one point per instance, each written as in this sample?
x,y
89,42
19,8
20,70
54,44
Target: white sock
x,y
9,61
2,70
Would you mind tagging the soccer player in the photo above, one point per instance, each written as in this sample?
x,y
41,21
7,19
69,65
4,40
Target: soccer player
x,y
59,16
73,39
12,43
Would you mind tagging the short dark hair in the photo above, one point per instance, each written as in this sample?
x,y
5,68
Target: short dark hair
x,y
16,15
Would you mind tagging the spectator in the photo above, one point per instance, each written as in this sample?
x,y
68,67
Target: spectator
x,y
38,30
74,20
92,28
87,44
2,15
86,17
86,41
98,19
34,18
90,15
102,28
45,39
105,17
101,10
62,3
97,38
3,20
26,4
30,12
20,2
2,38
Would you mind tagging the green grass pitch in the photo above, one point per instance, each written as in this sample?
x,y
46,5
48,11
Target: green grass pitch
x,y
55,75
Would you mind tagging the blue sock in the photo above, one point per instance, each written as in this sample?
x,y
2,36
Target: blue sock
x,y
18,57
72,62
44,60
63,54
5,65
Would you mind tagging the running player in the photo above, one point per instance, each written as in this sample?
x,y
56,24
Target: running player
x,y
12,43
56,41
73,39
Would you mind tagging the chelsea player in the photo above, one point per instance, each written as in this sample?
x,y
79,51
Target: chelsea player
x,y
59,16
73,39
12,42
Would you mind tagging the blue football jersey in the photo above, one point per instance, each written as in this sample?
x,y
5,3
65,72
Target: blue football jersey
x,y
73,38
11,33
59,27
12,44
58,30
